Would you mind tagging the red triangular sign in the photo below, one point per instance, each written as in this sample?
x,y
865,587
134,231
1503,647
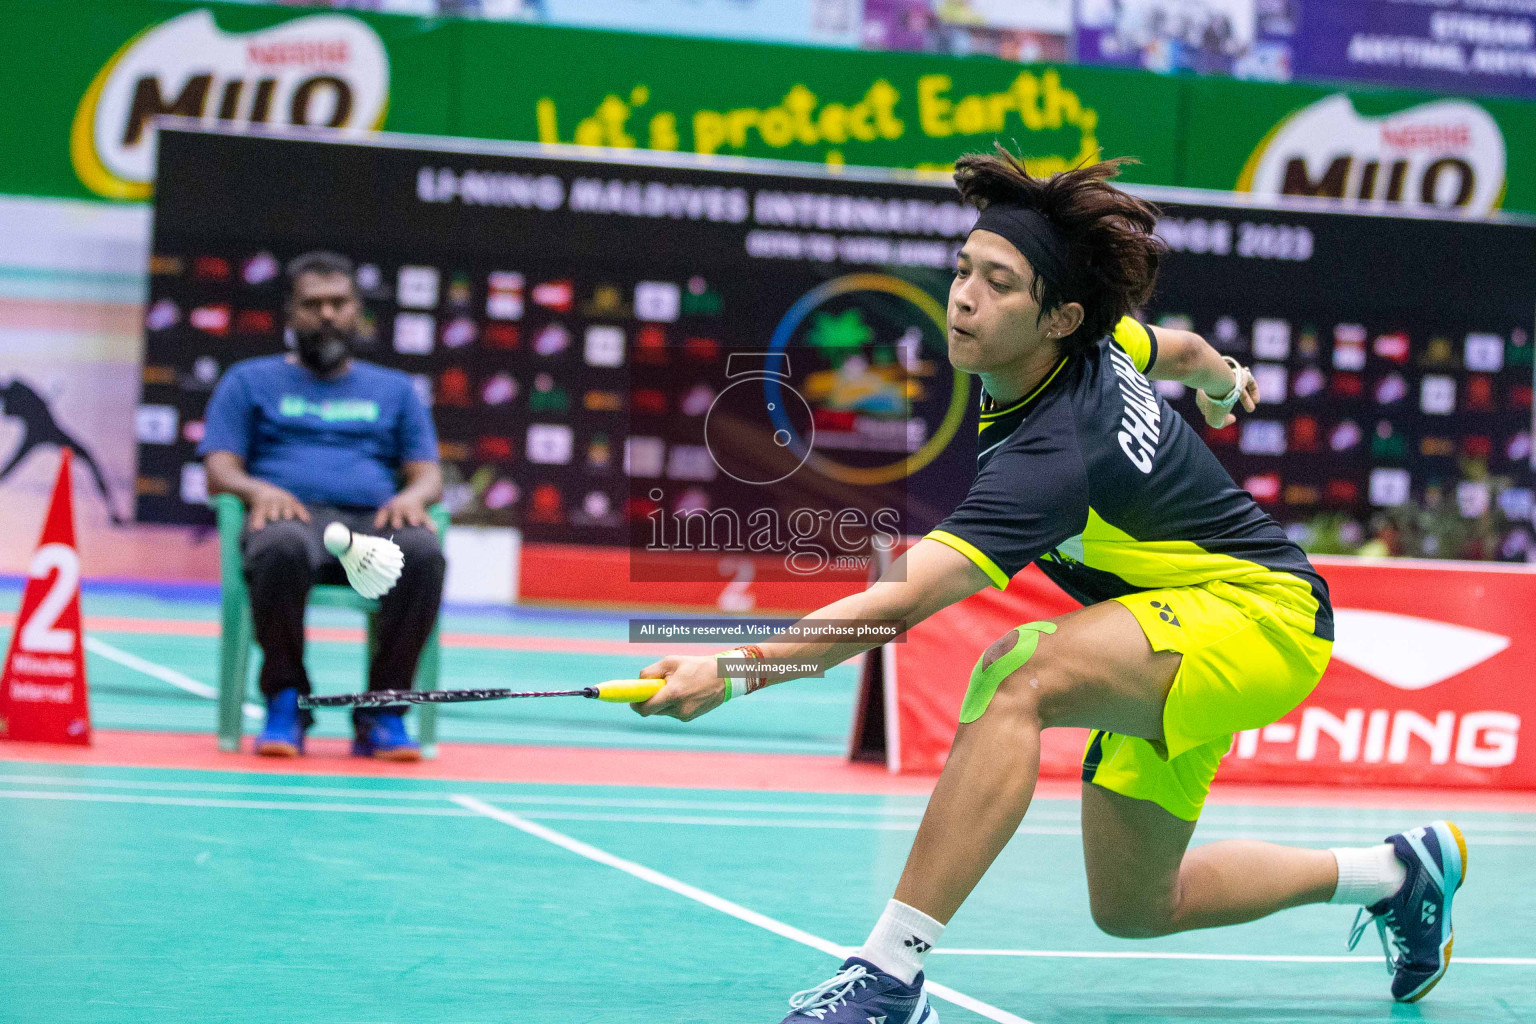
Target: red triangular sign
x,y
42,690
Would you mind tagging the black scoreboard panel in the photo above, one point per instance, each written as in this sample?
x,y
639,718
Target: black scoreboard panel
x,y
1394,357
604,342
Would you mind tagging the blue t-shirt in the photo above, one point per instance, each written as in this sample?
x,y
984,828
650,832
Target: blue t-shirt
x,y
331,442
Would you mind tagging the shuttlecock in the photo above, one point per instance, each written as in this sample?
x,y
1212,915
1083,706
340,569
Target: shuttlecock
x,y
373,563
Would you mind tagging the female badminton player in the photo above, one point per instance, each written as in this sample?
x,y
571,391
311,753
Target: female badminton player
x,y
1201,617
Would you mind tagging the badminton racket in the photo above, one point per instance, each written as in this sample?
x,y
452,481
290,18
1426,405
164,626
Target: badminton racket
x,y
616,691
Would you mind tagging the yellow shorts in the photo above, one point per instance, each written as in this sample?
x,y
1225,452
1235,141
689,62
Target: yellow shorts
x,y
1249,657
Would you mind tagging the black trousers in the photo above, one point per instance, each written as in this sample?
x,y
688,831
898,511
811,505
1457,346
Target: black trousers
x,y
285,558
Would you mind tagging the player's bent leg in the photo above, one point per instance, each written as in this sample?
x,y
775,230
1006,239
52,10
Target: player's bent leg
x,y
1095,668
1144,882
1096,665
1241,667
1132,850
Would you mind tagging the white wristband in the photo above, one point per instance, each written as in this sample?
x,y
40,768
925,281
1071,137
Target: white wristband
x,y
1241,377
737,686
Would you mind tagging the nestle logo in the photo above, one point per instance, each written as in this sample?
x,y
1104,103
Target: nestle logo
x,y
298,53
1427,136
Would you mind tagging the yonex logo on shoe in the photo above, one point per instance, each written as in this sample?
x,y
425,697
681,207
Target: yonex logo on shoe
x,y
1427,912
877,1020
1166,613
918,945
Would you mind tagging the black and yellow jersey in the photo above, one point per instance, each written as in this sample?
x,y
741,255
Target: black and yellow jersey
x,y
1097,479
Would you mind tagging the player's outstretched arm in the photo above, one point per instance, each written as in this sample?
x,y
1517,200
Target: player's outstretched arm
x,y
929,577
1220,382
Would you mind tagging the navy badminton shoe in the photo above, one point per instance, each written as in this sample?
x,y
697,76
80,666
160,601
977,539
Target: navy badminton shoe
x,y
860,993
1415,924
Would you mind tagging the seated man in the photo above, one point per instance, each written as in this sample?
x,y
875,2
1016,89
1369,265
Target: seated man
x,y
307,439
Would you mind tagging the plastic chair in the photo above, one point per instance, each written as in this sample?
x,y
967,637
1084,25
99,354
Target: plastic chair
x,y
237,632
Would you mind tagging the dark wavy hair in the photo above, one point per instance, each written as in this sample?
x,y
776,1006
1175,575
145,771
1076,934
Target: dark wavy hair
x,y
1112,253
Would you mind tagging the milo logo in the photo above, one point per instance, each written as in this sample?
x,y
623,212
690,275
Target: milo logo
x,y
1445,155
326,70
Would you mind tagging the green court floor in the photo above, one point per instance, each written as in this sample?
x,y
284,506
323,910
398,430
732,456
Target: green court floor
x,y
143,895
171,895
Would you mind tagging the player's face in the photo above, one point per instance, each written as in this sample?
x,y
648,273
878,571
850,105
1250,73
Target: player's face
x,y
994,318
323,303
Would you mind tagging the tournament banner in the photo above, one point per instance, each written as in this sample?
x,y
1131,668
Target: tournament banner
x,y
576,321
1453,46
683,359
1380,415
1426,686
1382,151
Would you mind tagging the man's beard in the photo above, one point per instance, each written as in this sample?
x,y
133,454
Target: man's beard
x,y
324,350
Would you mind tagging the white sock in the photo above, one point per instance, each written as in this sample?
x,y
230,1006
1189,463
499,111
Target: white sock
x,y
901,940
1368,874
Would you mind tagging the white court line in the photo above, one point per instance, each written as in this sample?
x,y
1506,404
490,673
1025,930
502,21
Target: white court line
x,y
1356,835
247,805
712,901
696,819
417,794
160,672
701,820
898,807
1288,820
1259,958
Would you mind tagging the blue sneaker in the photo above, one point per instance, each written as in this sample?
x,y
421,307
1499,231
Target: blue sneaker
x,y
283,735
381,734
859,993
1415,924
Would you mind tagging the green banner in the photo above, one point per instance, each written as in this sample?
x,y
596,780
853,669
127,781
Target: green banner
x,y
1376,150
96,73
86,77
793,103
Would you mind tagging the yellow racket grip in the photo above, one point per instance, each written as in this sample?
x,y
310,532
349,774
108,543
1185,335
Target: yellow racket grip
x,y
629,691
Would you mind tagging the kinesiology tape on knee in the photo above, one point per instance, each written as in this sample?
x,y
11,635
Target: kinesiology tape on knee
x,y
986,678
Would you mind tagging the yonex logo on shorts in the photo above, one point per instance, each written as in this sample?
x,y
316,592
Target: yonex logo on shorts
x,y
1166,613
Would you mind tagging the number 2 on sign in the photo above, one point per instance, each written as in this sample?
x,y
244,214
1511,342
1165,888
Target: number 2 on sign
x,y
737,595
41,634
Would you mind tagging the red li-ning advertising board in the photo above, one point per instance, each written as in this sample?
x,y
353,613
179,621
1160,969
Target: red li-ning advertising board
x,y
1433,678
1433,674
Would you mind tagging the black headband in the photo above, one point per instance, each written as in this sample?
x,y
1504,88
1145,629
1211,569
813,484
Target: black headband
x,y
1032,234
